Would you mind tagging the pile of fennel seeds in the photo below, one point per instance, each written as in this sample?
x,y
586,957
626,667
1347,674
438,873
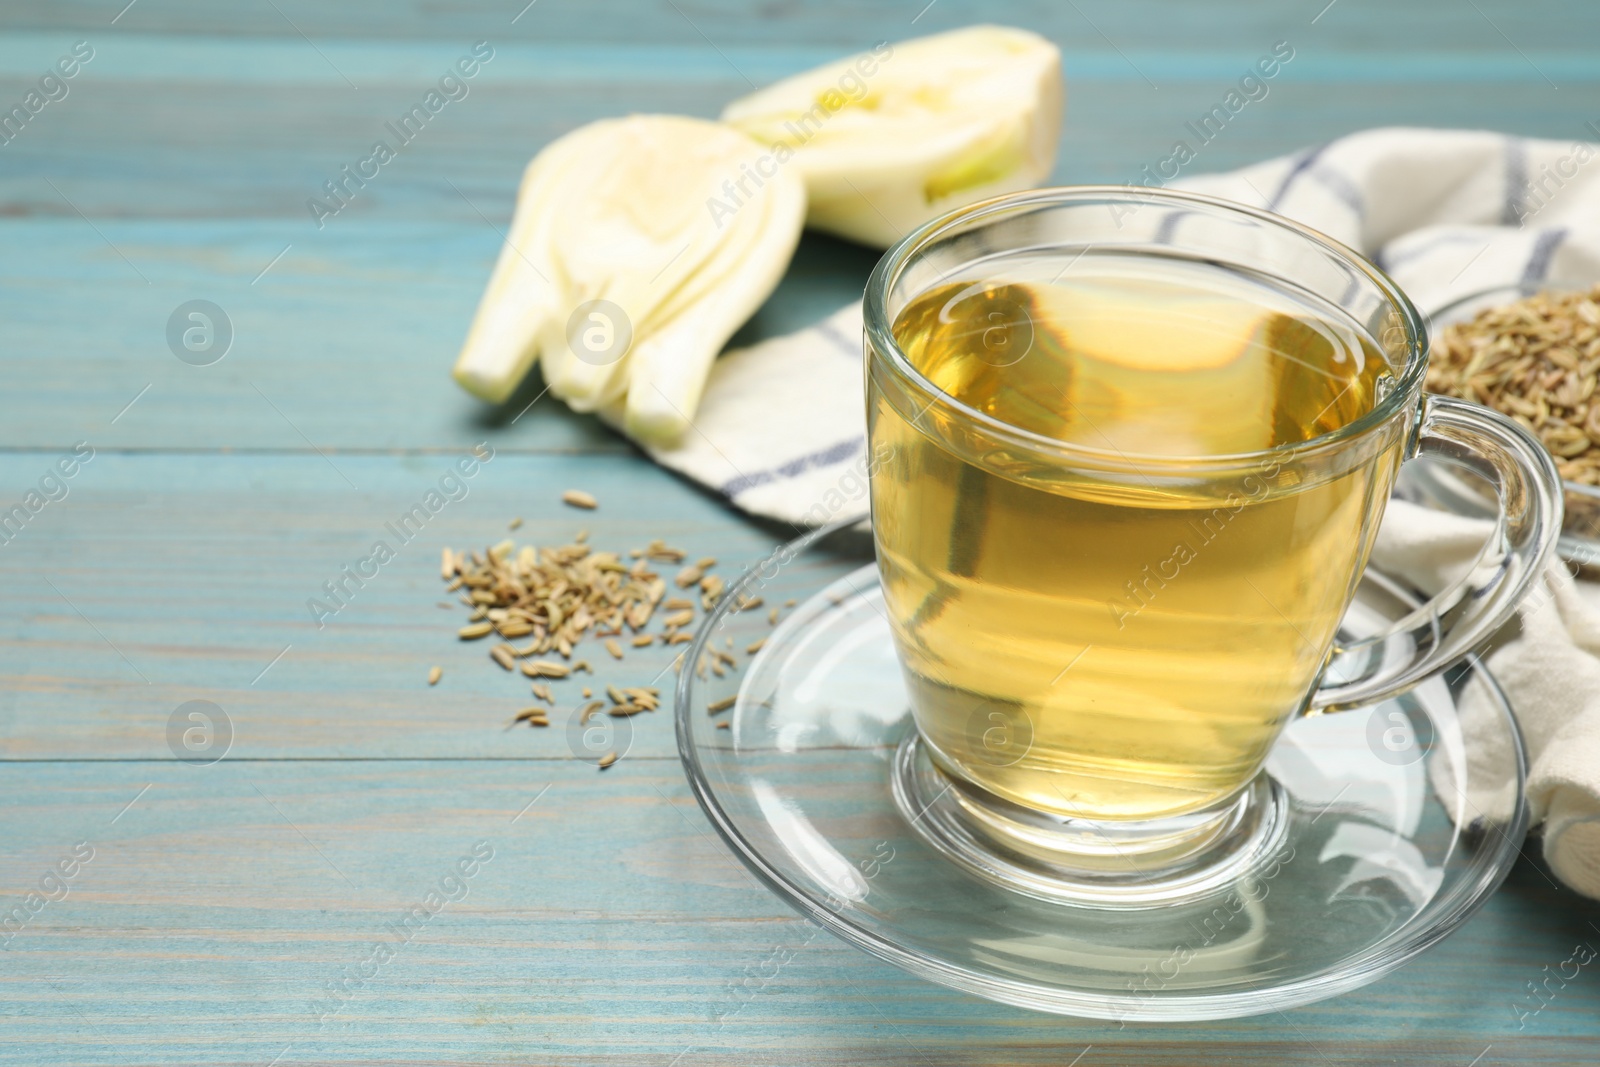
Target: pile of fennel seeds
x,y
554,598
1536,360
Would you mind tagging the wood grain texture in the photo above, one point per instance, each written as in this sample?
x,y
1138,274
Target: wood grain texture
x,y
183,127
1372,26
346,343
610,926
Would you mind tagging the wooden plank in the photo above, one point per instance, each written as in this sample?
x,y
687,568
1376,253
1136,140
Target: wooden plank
x,y
608,926
161,579
1370,25
264,143
284,59
346,343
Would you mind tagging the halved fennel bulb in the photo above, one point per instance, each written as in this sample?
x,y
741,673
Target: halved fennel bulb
x,y
637,248
901,134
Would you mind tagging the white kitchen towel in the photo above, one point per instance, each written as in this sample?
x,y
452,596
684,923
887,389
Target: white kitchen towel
x,y
781,431
1550,670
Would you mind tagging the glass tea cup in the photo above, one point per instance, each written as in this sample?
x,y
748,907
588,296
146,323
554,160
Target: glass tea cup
x,y
1130,451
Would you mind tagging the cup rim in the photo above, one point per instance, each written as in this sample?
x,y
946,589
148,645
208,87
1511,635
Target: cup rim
x,y
883,349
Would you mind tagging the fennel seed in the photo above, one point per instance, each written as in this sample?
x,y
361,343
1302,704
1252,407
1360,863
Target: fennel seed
x,y
579,499
543,668
659,552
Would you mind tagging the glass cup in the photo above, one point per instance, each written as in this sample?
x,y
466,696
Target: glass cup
x,y
1130,451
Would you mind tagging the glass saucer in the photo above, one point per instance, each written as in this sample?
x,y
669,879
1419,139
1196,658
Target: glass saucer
x,y
797,772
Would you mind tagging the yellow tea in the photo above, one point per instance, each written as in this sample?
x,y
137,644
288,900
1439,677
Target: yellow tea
x,y
1120,639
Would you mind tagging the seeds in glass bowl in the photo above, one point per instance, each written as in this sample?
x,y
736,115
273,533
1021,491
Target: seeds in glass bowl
x,y
1536,360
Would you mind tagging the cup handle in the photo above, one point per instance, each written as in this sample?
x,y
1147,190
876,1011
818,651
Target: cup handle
x,y
1455,622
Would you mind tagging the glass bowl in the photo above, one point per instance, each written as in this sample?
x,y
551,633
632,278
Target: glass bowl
x,y
1455,490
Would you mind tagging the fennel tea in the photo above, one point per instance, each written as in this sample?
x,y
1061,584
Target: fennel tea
x,y
1122,635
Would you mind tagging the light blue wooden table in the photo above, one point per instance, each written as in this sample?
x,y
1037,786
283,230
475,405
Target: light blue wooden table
x,y
222,909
